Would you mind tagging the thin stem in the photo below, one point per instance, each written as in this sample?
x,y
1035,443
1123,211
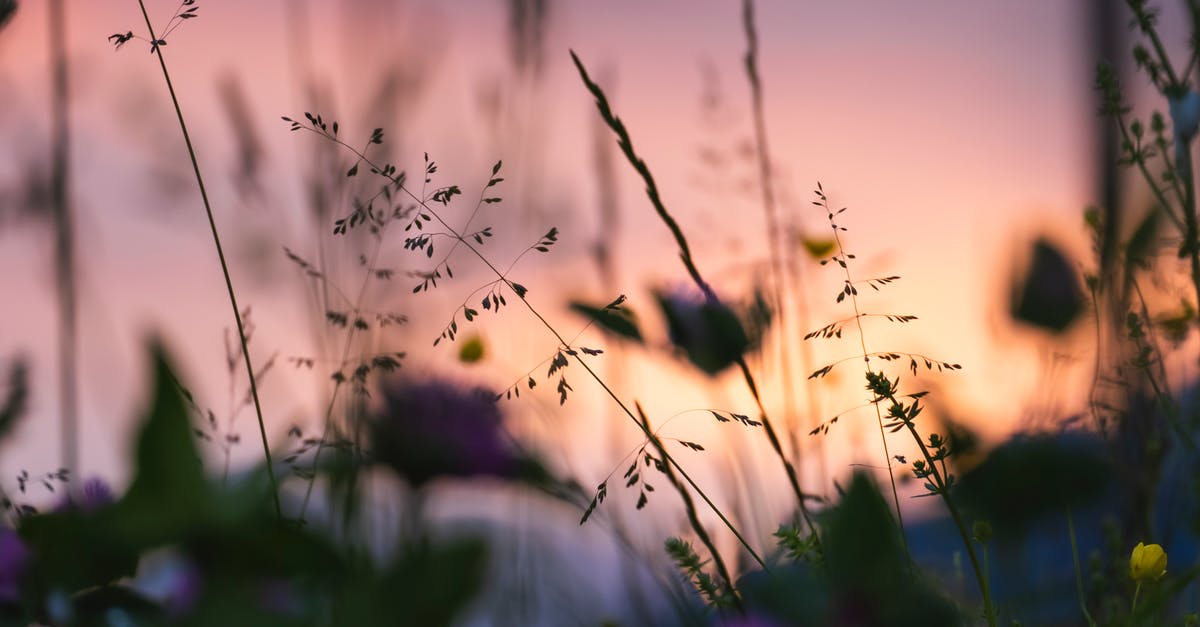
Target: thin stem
x,y
772,221
1078,572
685,255
212,224
1141,164
339,382
1137,590
64,239
690,507
943,490
866,355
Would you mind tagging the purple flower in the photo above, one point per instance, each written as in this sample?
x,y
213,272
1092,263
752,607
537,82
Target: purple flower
x,y
94,495
434,428
14,558
172,579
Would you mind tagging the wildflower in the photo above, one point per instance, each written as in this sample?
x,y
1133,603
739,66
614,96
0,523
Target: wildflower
x,y
94,495
434,428
14,558
1147,563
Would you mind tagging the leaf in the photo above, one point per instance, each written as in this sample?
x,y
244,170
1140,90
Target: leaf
x,y
817,248
614,319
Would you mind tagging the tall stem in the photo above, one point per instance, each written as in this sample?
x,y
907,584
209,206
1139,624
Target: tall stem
x,y
943,490
212,224
1078,572
770,210
685,255
64,244
693,517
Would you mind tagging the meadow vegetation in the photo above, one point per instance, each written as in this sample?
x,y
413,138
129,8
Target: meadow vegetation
x,y
1084,503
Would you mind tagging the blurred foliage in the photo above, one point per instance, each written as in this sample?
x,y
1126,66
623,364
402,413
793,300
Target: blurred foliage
x,y
251,567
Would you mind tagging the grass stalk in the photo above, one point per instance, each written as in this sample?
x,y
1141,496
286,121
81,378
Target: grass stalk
x,y
685,255
693,517
1078,572
771,213
501,276
212,224
866,355
64,238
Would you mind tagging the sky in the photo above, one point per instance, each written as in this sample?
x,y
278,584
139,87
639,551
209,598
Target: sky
x,y
954,133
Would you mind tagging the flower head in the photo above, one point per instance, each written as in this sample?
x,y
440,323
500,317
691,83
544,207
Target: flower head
x,y
1148,562
435,428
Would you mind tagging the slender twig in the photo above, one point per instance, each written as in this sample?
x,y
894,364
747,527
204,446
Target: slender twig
x,y
212,224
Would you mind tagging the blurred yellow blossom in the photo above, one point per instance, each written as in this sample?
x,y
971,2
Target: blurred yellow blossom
x,y
1147,563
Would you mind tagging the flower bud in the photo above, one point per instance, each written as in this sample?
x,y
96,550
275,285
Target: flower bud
x,y
1148,562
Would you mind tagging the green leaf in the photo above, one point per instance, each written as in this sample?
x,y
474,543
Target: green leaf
x,y
169,478
620,321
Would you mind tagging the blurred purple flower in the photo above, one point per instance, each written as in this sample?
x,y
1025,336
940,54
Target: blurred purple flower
x,y
434,428
172,579
94,495
14,557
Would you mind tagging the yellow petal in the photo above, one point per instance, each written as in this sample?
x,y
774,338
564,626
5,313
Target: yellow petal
x,y
1147,562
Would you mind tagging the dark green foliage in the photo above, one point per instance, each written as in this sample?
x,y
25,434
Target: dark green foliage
x,y
1030,477
688,562
7,9
253,567
866,577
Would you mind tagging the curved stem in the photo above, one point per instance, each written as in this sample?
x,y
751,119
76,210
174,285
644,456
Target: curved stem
x,y
237,315
943,490
685,255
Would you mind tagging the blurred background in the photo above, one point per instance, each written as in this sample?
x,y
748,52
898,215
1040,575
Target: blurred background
x,y
956,135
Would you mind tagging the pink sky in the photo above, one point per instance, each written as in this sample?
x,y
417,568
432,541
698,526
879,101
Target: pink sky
x,y
954,132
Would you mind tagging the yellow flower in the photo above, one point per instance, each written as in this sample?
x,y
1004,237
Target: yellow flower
x,y
1147,563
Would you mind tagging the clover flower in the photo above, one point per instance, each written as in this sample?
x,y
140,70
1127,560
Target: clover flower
x,y
434,428
1148,562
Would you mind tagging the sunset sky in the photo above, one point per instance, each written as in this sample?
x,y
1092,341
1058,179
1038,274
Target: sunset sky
x,y
954,132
